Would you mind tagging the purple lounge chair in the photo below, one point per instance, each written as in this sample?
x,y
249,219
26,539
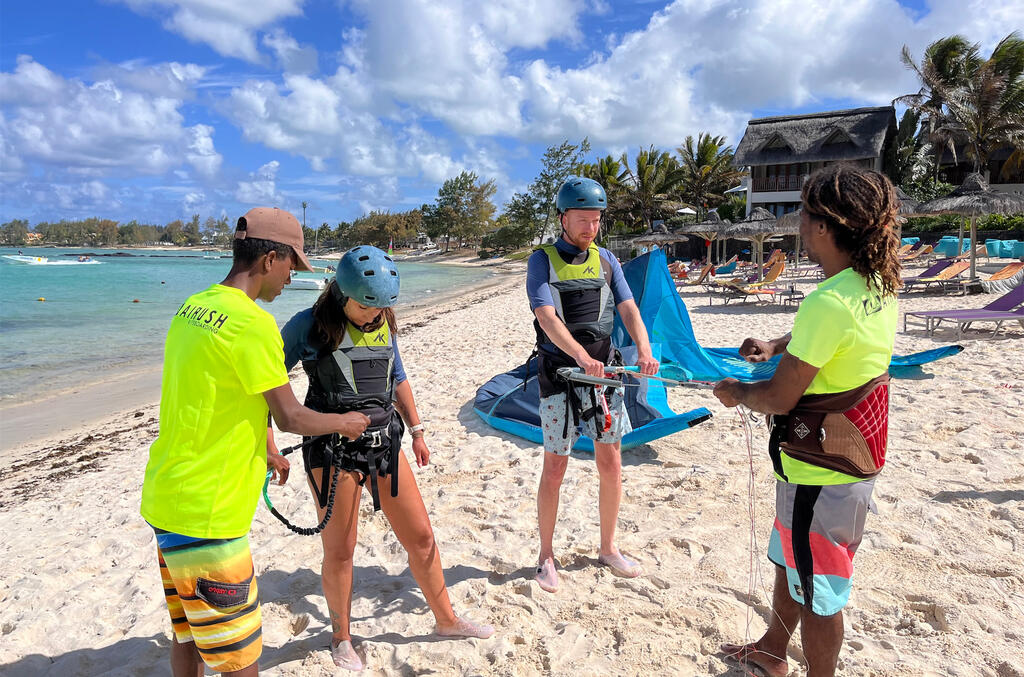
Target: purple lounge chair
x,y
998,311
930,272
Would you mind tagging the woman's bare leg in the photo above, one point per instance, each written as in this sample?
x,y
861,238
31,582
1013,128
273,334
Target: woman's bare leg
x,y
409,520
339,542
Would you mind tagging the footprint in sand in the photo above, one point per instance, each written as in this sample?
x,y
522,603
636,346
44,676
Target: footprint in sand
x,y
299,624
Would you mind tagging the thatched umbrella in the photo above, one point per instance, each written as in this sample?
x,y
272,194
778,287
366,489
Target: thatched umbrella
x,y
789,224
908,205
757,227
709,229
659,236
973,199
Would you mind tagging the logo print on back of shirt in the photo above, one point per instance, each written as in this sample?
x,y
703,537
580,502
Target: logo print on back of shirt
x,y
872,304
379,338
589,270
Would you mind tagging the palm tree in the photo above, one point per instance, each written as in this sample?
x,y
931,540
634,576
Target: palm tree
x,y
969,100
649,184
707,171
316,235
609,173
944,65
989,107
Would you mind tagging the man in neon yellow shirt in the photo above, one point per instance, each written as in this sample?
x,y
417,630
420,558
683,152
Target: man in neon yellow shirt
x,y
223,373
838,351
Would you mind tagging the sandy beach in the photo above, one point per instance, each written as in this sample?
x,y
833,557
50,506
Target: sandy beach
x,y
938,585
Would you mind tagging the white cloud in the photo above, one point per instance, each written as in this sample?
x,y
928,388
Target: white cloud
x,y
172,79
98,129
201,153
262,189
228,26
292,57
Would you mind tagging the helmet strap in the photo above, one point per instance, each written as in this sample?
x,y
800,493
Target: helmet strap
x,y
338,295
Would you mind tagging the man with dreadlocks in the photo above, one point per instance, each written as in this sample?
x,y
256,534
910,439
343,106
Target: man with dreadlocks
x,y
828,404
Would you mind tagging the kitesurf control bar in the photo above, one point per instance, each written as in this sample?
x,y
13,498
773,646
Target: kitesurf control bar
x,y
579,376
670,382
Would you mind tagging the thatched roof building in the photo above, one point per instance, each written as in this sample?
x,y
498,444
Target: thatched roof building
x,y
834,136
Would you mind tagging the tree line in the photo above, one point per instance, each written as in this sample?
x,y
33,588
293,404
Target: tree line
x,y
96,232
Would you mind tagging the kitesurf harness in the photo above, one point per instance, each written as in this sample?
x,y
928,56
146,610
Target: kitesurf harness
x,y
845,432
582,295
357,376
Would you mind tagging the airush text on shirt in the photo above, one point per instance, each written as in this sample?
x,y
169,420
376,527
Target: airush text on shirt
x,y
201,317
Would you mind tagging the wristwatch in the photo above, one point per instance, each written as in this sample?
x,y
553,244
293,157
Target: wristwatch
x,y
418,428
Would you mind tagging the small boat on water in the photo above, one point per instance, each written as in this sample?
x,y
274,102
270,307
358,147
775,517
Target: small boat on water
x,y
43,261
306,283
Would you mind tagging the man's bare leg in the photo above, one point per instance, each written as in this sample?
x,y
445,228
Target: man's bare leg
x,y
547,514
822,638
608,458
769,652
185,660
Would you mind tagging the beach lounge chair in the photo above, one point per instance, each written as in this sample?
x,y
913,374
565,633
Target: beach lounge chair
x,y
1003,309
940,279
1004,279
931,271
700,279
741,292
917,253
772,274
903,249
979,251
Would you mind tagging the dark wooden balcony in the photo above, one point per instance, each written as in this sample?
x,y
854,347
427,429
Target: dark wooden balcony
x,y
777,183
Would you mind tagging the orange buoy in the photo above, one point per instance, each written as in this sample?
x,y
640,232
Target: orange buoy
x,y
41,298
135,300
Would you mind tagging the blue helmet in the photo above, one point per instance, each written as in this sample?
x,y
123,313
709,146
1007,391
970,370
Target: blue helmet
x,y
580,193
368,276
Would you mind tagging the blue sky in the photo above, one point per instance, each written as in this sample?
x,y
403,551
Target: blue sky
x,y
158,109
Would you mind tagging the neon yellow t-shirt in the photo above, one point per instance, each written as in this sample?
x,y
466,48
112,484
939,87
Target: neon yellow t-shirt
x,y
207,465
846,330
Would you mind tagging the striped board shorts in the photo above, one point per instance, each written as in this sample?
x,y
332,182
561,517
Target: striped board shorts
x,y
212,597
816,533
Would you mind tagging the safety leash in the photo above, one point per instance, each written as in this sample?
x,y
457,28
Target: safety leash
x,y
755,576
335,463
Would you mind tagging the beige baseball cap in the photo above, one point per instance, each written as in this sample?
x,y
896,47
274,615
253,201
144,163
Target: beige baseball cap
x,y
277,225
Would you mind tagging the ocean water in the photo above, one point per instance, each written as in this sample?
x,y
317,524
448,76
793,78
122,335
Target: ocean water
x,y
90,328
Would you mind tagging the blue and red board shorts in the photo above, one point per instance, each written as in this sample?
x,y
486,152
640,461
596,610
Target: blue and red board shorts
x,y
816,533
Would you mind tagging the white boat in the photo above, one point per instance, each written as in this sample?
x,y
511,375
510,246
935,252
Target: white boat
x,y
306,283
30,260
43,261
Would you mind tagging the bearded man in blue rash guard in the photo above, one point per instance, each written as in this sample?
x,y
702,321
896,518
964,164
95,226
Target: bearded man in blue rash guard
x,y
575,287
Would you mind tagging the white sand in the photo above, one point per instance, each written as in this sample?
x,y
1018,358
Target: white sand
x,y
939,582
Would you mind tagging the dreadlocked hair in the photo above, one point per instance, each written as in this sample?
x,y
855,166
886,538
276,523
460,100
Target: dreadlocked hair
x,y
330,321
859,207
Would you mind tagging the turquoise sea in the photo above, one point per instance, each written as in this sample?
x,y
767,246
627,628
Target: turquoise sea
x,y
89,329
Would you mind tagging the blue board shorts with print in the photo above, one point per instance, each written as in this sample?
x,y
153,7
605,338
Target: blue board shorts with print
x,y
553,420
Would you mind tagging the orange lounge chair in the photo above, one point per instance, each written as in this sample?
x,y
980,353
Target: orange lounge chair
x,y
979,251
946,274
704,272
772,274
741,292
923,251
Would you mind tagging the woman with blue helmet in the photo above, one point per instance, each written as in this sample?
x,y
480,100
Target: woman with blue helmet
x,y
346,343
